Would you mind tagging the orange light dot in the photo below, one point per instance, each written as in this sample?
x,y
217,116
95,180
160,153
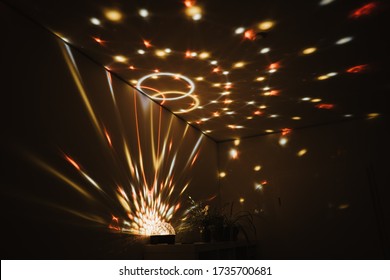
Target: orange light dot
x,y
147,44
250,35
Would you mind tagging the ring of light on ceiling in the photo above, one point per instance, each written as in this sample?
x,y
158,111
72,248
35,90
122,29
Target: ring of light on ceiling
x,y
176,76
182,111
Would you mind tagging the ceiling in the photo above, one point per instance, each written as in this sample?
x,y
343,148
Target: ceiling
x,y
236,69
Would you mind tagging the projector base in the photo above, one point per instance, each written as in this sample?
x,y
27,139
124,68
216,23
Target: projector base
x,y
158,239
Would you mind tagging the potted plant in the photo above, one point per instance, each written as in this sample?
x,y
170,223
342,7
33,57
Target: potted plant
x,y
234,223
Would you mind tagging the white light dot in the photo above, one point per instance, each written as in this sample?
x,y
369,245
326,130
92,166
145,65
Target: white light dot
x,y
143,13
233,153
258,187
214,62
239,30
167,50
141,51
325,2
305,98
343,40
95,21
272,71
283,141
197,16
250,102
225,72
264,50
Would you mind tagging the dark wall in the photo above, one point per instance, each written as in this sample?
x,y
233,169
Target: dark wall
x,y
330,203
57,102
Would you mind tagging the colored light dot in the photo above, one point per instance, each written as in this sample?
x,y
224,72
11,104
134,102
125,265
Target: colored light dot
x,y
301,152
113,15
309,50
260,79
266,25
257,168
120,58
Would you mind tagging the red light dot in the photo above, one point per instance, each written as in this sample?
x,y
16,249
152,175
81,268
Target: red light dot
x,y
326,106
286,131
357,68
364,10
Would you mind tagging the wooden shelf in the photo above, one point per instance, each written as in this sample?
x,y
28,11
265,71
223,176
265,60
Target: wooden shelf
x,y
201,251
